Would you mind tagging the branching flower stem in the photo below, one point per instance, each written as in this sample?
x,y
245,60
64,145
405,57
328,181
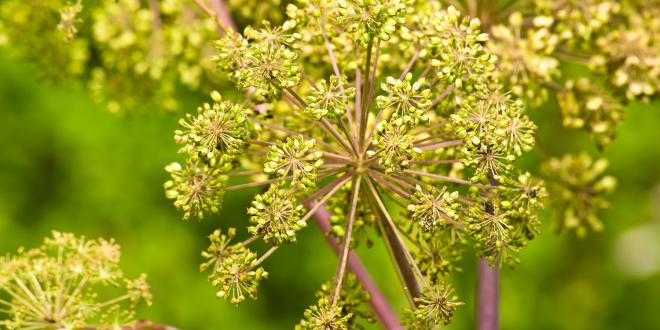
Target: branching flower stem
x,y
222,26
389,185
223,13
366,90
443,178
341,269
393,228
379,304
404,271
265,256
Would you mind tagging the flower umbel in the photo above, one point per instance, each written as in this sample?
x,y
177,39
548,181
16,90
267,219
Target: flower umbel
x,y
579,189
432,209
436,306
64,285
323,315
276,215
234,267
338,122
195,188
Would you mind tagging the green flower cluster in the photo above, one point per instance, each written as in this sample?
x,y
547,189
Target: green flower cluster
x,y
127,52
458,51
41,31
328,98
505,221
352,301
432,209
395,148
68,283
489,227
68,20
263,61
579,189
585,104
157,46
370,19
439,251
357,105
524,197
295,159
525,61
324,315
615,43
496,131
577,20
630,53
195,188
435,307
276,216
217,134
234,267
407,100
256,11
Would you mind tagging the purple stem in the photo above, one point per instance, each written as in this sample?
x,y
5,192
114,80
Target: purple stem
x,y
487,296
220,7
378,302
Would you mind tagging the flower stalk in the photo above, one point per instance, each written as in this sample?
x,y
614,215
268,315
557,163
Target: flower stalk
x,y
487,306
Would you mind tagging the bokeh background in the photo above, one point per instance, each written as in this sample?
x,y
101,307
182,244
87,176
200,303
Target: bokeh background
x,y
67,164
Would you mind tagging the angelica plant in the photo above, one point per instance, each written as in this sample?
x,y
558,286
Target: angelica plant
x,y
430,133
63,285
390,121
160,46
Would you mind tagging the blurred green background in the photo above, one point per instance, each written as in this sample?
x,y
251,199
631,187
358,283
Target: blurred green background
x,y
67,164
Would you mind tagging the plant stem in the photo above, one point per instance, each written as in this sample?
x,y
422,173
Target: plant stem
x,y
249,240
143,324
364,111
312,198
438,145
441,177
389,185
398,246
294,134
487,296
379,304
223,13
336,185
265,256
343,260
222,25
472,8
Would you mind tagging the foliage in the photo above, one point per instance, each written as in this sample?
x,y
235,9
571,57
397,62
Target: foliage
x,y
615,42
127,52
58,286
581,186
